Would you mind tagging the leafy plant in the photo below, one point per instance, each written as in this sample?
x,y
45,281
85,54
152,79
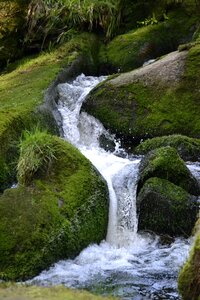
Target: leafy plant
x,y
37,153
53,20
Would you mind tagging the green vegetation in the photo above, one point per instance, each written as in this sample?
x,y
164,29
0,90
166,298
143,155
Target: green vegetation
x,y
149,108
37,153
24,292
165,163
30,26
12,23
187,148
60,210
22,91
188,282
131,50
165,208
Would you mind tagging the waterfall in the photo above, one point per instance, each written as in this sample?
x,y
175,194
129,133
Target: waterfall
x,y
128,264
84,132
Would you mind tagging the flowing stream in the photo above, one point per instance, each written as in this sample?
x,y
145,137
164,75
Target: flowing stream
x,y
127,264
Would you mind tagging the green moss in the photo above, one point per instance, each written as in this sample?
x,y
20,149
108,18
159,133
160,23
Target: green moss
x,y
142,110
25,292
131,50
23,89
166,208
189,281
165,163
60,211
188,148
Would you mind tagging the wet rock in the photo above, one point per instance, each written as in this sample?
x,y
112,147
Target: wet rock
x,y
188,148
165,163
165,208
59,207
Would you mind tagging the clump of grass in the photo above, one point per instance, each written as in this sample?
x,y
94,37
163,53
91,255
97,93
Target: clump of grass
x,y
55,20
37,152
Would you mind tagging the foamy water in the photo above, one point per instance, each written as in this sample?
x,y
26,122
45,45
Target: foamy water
x,y
128,264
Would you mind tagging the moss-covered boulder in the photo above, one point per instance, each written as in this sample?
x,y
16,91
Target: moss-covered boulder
x,y
165,208
189,276
130,50
28,95
156,100
165,163
59,207
188,148
24,292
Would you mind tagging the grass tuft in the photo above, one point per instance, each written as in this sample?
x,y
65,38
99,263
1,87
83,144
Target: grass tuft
x,y
37,153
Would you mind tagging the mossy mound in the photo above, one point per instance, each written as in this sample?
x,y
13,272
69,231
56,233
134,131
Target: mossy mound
x,y
60,207
188,148
156,100
131,50
165,163
25,292
165,208
24,88
189,276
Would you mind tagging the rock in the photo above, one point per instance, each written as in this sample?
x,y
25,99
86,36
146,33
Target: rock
x,y
189,276
59,207
156,100
187,148
165,163
166,208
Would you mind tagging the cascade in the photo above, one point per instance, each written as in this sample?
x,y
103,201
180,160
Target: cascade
x,y
128,264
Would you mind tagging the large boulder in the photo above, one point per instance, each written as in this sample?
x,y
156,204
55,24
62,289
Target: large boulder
x,y
165,163
165,208
189,276
159,99
59,207
188,148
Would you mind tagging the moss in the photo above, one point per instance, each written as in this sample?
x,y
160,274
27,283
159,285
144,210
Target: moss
x,y
166,208
189,281
188,148
140,110
57,214
24,292
131,50
22,91
165,163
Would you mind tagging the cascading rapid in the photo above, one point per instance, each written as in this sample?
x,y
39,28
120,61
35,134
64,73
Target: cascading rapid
x,y
127,264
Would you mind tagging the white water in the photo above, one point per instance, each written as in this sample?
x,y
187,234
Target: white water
x,y
127,264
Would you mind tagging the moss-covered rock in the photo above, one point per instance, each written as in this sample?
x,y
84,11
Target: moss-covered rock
x,y
132,49
59,207
24,292
165,163
23,90
166,208
156,100
189,276
188,148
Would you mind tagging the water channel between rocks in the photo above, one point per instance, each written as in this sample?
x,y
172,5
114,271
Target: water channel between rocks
x,y
128,264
